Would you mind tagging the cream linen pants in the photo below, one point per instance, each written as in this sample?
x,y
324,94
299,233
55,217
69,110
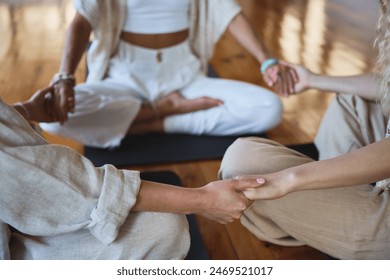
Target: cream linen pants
x,y
346,223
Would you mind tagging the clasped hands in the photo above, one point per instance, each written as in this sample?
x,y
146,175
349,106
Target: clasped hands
x,y
46,104
286,78
226,200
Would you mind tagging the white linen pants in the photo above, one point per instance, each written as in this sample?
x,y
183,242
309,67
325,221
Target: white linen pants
x,y
106,109
347,222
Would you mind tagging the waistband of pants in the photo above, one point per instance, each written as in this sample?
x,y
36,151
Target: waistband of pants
x,y
138,52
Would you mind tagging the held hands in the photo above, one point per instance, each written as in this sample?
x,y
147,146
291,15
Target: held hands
x,y
270,186
303,76
39,107
286,78
281,77
63,98
223,201
63,101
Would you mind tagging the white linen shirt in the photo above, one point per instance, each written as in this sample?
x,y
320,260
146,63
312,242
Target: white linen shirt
x,y
208,21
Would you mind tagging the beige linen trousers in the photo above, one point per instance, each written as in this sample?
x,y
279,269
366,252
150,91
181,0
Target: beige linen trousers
x,y
347,222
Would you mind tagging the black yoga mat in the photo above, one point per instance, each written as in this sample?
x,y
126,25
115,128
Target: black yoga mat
x,y
308,149
161,148
197,249
169,148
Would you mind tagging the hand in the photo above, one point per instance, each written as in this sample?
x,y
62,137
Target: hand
x,y
40,105
303,76
271,186
224,200
63,99
282,78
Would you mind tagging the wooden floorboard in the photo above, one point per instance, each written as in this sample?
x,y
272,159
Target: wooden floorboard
x,y
328,36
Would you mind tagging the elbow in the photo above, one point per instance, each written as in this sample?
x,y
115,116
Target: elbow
x,y
80,27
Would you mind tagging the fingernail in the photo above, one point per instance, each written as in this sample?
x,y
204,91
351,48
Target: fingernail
x,y
260,180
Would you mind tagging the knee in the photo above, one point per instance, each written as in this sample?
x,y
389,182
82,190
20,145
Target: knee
x,y
265,113
172,237
152,236
236,160
273,110
255,155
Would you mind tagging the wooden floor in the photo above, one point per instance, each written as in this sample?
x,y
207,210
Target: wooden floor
x,y
328,36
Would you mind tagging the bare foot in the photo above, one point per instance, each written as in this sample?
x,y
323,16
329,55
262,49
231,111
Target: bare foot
x,y
174,103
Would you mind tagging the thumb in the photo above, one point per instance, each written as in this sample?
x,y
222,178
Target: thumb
x,y
248,183
268,80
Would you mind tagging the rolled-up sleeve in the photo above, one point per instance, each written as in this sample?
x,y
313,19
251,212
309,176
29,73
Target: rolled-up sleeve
x,y
118,196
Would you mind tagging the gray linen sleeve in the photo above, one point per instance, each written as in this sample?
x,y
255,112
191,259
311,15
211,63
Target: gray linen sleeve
x,y
51,189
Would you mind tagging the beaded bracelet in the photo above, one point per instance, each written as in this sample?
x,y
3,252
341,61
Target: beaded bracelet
x,y
267,63
63,78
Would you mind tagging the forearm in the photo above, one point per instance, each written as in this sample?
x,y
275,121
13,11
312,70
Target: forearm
x,y
76,42
157,197
363,166
242,30
364,85
222,201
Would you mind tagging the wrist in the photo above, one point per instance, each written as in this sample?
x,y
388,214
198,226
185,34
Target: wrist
x,y
191,202
63,78
298,178
267,63
199,202
30,107
23,110
314,81
292,180
199,199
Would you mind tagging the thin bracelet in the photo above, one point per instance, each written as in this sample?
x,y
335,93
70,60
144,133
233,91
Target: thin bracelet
x,y
267,63
63,78
26,112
